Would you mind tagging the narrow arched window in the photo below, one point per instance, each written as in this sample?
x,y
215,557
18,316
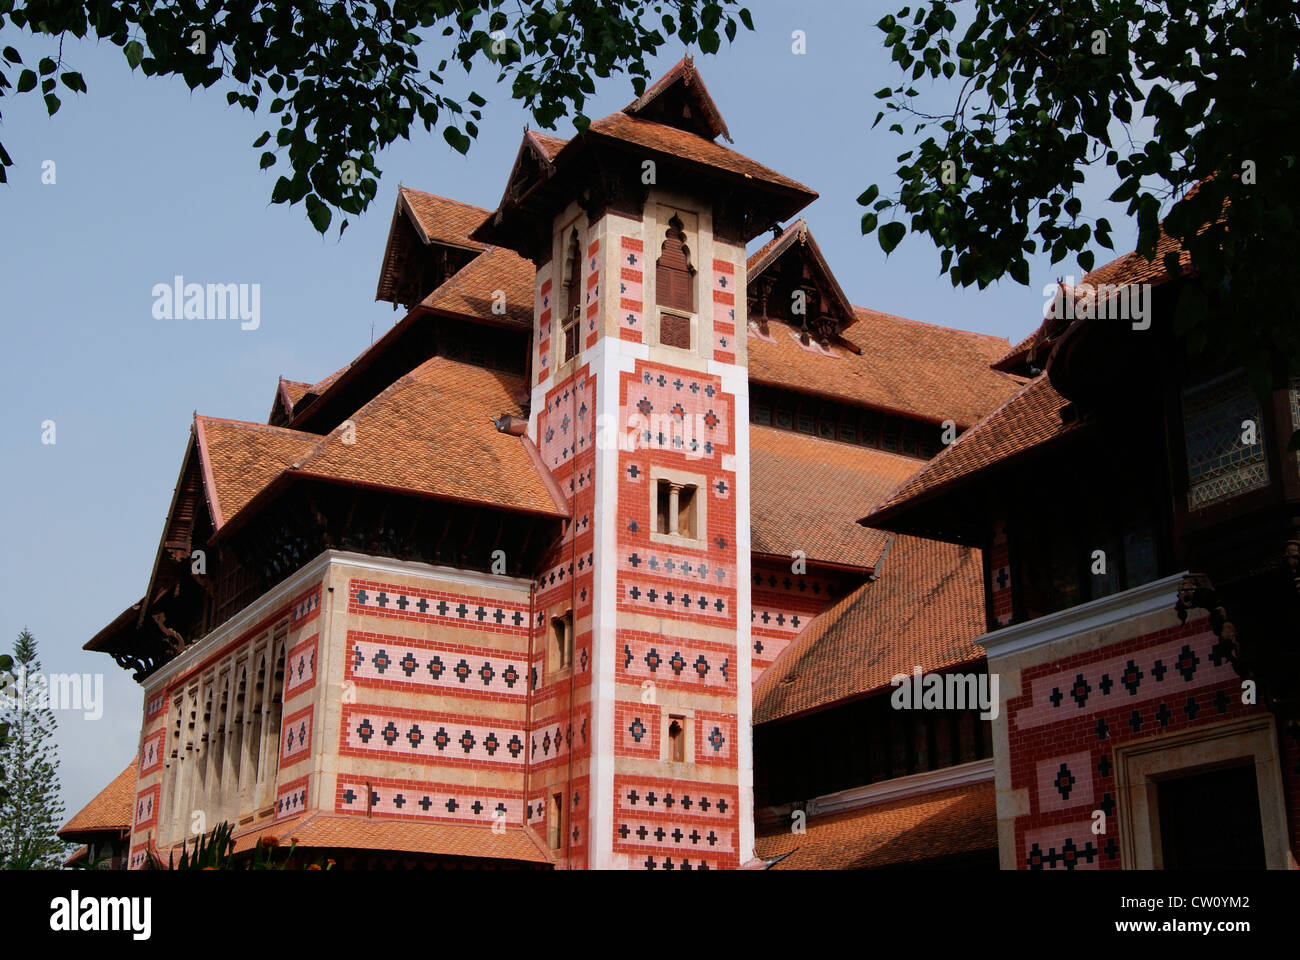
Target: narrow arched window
x,y
674,275
571,296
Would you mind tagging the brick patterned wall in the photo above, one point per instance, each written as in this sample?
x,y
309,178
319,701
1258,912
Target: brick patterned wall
x,y
724,312
631,292
151,753
295,736
676,584
999,572
300,668
592,287
1074,712
783,605
291,799
426,800
544,328
559,724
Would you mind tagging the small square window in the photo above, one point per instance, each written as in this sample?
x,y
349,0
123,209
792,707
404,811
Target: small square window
x,y
677,739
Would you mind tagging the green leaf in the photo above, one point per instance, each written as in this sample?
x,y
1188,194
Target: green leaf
x,y
318,213
52,104
134,53
459,142
268,160
73,81
746,18
1019,270
26,80
282,190
261,141
868,195
868,223
12,56
890,235
47,66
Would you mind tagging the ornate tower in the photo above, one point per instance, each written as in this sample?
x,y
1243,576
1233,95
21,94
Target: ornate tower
x,y
639,716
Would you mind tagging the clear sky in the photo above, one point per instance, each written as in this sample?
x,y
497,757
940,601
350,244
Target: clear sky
x,y
154,181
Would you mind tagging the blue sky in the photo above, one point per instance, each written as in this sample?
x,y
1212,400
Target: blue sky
x,y
153,181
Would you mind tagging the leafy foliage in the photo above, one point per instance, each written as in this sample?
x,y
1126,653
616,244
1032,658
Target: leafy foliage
x,y
1191,105
343,80
30,810
6,683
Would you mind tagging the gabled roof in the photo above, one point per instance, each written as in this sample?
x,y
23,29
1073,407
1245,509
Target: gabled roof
x,y
288,393
805,491
442,220
924,608
431,433
898,833
674,122
901,366
423,225
240,458
680,99
798,236
110,811
1026,422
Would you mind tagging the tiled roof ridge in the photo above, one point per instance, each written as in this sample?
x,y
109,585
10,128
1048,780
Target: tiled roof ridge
x,y
253,425
970,435
965,436
437,196
846,444
882,315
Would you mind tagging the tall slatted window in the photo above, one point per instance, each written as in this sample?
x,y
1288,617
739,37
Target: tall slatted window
x,y
674,275
572,299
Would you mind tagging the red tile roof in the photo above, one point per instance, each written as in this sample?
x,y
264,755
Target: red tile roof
x,y
1028,420
901,832
110,810
551,145
241,458
925,609
1134,268
334,832
471,291
648,135
905,367
431,433
805,494
442,220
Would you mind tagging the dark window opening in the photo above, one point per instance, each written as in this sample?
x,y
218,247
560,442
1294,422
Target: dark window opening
x,y
572,299
1211,821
